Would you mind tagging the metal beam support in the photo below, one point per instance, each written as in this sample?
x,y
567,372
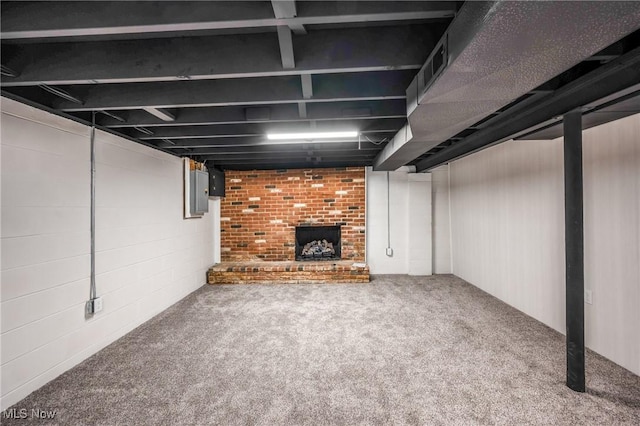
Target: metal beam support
x,y
256,91
106,19
574,250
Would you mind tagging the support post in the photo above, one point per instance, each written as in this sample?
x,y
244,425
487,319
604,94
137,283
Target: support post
x,y
574,250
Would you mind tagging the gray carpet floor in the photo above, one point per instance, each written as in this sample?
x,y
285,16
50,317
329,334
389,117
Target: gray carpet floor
x,y
401,350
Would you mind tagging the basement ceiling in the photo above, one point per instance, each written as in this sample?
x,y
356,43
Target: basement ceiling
x,y
208,80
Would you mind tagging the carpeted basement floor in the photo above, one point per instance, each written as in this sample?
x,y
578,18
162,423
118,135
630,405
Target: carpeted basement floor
x,y
401,350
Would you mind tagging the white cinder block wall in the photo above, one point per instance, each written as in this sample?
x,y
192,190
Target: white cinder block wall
x,y
148,257
410,222
507,221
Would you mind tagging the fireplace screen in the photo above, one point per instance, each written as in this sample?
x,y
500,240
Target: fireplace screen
x,y
318,243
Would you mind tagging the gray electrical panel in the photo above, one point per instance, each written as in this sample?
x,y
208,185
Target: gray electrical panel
x,y
199,192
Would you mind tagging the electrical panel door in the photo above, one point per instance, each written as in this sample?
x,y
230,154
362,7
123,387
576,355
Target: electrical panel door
x,y
199,186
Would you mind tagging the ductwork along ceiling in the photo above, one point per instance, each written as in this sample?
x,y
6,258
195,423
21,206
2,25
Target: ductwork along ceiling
x,y
422,82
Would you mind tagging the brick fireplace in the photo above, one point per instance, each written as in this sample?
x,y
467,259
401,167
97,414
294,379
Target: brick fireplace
x,y
263,208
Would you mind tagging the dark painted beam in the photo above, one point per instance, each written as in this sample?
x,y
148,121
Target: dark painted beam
x,y
249,141
162,114
383,125
285,40
290,165
226,141
613,77
307,86
249,55
287,9
286,149
621,108
273,90
574,250
608,53
302,110
320,111
66,19
284,156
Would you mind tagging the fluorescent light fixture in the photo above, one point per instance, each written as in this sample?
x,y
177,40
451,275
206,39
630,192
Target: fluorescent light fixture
x,y
312,135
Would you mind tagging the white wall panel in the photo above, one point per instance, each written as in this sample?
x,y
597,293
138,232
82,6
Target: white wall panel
x,y
409,201
147,256
612,240
507,220
441,223
420,224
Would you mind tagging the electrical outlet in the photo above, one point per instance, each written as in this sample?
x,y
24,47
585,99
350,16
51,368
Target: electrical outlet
x,y
389,251
94,305
588,297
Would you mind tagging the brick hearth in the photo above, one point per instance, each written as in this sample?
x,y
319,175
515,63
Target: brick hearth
x,y
343,271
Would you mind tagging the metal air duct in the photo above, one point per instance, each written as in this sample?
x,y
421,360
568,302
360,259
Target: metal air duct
x,y
492,54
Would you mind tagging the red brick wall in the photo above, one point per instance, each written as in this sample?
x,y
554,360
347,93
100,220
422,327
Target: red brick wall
x,y
262,208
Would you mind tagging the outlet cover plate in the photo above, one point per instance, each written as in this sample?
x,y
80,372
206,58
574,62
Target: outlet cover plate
x,y
94,305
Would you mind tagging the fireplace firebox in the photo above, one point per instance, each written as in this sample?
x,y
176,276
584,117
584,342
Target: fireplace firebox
x,y
318,243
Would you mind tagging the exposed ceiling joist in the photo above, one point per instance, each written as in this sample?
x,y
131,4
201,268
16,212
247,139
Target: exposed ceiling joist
x,y
290,163
293,156
224,73
184,58
285,41
162,114
257,150
321,111
81,19
256,129
287,9
307,86
327,87
260,140
302,110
